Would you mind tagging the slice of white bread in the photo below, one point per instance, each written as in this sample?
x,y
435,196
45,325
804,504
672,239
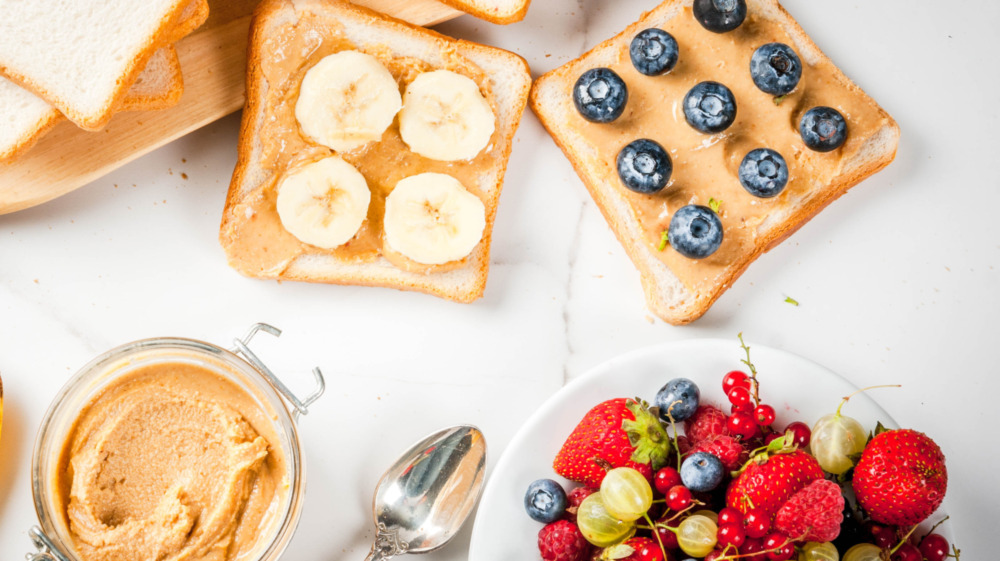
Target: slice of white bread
x,y
83,57
159,86
193,16
25,117
496,11
666,295
505,73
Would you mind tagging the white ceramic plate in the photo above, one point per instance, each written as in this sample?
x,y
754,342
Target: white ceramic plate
x,y
798,389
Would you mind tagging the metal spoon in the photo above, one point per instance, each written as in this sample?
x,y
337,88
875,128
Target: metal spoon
x,y
424,498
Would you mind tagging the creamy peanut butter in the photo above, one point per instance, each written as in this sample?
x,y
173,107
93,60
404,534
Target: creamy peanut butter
x,y
705,166
262,246
172,462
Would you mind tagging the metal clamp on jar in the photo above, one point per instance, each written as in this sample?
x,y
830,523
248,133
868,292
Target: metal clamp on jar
x,y
145,430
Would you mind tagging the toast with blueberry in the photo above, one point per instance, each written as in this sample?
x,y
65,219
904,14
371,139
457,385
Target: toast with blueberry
x,y
708,132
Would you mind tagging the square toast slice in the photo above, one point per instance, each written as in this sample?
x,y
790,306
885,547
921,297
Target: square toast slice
x,y
679,289
287,39
495,11
82,57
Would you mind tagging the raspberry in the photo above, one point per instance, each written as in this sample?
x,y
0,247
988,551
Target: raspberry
x,y
576,496
683,444
813,514
726,448
706,422
562,541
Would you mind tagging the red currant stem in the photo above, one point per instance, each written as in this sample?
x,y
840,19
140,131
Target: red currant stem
x,y
844,401
656,501
903,540
659,540
673,427
955,552
753,371
685,509
762,552
934,527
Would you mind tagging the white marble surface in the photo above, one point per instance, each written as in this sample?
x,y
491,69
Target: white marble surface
x,y
898,281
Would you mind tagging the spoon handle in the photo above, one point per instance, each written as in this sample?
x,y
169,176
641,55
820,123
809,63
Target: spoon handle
x,y
386,544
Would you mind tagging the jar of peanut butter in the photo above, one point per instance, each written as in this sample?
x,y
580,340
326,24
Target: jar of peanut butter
x,y
170,449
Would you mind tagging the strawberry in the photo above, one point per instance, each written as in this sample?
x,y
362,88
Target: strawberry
x,y
768,480
813,514
616,433
562,541
901,478
726,448
707,422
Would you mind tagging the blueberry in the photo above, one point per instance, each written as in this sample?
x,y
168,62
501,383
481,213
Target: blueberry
x,y
710,107
654,52
720,16
600,95
644,166
763,173
695,231
823,129
701,472
679,397
545,501
775,68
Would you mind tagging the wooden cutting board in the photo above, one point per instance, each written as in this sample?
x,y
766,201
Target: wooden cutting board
x,y
213,60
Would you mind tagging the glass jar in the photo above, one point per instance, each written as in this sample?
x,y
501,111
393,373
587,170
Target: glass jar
x,y
239,366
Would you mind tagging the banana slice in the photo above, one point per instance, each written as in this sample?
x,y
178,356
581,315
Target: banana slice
x,y
347,100
445,117
432,219
324,203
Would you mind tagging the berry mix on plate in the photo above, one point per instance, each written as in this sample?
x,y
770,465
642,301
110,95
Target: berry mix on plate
x,y
735,486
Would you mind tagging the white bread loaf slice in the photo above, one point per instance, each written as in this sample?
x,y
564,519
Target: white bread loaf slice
x,y
507,76
25,117
666,295
193,16
83,57
159,86
495,11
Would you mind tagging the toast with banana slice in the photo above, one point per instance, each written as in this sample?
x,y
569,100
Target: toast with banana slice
x,y
708,132
371,151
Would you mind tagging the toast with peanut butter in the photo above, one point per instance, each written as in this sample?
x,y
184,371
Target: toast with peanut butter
x,y
371,151
708,132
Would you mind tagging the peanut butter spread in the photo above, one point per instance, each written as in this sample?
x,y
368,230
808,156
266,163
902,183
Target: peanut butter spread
x,y
262,246
172,462
705,166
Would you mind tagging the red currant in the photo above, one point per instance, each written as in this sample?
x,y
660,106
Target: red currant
x,y
742,408
648,550
751,546
577,494
713,555
738,395
764,415
665,479
678,497
730,515
907,552
757,523
934,548
734,379
782,552
741,424
885,536
668,537
731,534
800,433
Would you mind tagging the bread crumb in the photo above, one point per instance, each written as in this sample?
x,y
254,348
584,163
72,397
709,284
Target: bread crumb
x,y
184,176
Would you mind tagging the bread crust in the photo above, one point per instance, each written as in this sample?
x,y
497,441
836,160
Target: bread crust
x,y
97,120
474,8
464,284
659,283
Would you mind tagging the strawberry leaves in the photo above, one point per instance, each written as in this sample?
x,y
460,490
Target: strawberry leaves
x,y
647,436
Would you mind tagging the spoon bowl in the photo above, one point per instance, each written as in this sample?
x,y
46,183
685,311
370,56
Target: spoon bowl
x,y
423,500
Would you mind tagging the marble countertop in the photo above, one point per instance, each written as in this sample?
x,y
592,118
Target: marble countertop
x,y
898,281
